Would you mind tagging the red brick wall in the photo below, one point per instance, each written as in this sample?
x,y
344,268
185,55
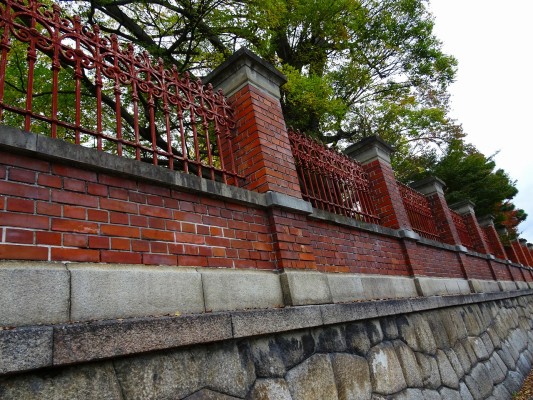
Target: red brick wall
x,y
527,255
501,270
343,249
52,212
495,244
476,234
520,256
516,273
436,262
478,268
443,219
388,202
292,240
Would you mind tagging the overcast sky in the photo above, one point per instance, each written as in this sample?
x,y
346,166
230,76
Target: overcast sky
x,y
492,95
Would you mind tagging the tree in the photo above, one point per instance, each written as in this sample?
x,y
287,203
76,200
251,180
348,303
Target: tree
x,y
470,175
355,67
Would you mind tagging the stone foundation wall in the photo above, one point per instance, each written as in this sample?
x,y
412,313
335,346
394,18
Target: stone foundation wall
x,y
479,350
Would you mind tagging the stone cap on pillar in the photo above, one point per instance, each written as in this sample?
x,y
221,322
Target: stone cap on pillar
x,y
463,207
244,67
487,220
530,246
370,149
502,231
429,185
522,241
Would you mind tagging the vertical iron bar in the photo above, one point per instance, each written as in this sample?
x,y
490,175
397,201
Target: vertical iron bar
x,y
98,83
205,125
220,151
4,45
117,93
195,137
31,57
78,74
56,66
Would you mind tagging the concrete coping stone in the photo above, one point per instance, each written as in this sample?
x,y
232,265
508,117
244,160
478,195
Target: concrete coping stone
x,y
244,67
353,223
65,344
461,248
487,220
472,253
429,186
275,199
370,148
434,243
409,234
463,207
71,154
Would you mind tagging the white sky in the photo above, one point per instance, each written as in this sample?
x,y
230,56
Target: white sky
x,y
493,92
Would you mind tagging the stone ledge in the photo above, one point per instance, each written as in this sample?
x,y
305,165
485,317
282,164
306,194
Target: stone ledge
x,y
82,342
274,199
427,286
319,214
102,339
64,293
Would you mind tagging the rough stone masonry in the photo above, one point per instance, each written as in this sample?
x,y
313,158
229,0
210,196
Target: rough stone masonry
x,y
481,350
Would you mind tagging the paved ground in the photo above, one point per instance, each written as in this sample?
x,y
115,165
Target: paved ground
x,y
526,393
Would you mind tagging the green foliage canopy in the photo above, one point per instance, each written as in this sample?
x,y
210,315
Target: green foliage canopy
x,y
470,175
355,67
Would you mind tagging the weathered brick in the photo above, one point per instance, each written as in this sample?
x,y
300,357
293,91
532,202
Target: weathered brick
x,y
67,225
22,190
121,257
19,236
24,220
74,185
74,198
160,259
74,212
72,240
120,231
20,205
48,238
81,255
22,175
14,252
50,180
118,205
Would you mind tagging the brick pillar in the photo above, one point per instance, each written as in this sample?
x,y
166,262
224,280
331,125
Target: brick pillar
x,y
511,253
521,257
433,189
374,154
262,152
496,248
466,210
260,143
525,251
530,249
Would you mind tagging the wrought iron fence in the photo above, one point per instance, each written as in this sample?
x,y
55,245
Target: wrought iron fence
x,y
66,80
462,230
332,181
419,212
